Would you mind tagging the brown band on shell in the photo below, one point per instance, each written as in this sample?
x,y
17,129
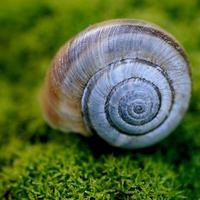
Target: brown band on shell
x,y
49,113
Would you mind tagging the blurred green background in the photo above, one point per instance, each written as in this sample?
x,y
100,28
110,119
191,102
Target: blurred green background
x,y
37,162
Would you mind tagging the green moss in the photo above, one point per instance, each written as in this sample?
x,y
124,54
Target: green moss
x,y
37,162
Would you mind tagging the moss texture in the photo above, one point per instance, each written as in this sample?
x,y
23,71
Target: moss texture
x,y
37,162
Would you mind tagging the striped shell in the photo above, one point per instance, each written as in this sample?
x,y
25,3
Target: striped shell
x,y
126,80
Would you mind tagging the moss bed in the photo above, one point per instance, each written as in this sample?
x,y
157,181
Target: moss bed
x,y
37,162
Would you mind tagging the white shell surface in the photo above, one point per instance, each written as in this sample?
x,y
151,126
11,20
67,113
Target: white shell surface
x,y
87,68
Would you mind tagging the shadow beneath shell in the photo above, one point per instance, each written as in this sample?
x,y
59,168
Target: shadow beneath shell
x,y
99,147
177,149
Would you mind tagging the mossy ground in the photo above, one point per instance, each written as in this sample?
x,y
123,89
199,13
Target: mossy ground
x,y
37,162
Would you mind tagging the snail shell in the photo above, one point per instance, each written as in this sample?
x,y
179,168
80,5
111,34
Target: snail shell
x,y
126,80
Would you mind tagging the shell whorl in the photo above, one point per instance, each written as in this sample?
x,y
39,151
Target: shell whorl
x,y
128,81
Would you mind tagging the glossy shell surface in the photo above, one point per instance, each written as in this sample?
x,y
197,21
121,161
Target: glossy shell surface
x,y
127,81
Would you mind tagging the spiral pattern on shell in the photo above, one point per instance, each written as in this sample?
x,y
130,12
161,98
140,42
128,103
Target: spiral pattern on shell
x,y
126,80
